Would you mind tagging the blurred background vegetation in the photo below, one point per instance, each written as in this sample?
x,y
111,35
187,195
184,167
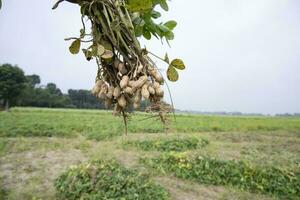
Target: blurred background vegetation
x,y
18,89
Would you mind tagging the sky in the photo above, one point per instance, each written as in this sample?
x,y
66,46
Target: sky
x,y
240,55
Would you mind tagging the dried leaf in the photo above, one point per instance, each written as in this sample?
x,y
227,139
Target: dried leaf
x,y
94,50
75,47
100,50
172,74
106,44
167,60
82,33
178,64
88,54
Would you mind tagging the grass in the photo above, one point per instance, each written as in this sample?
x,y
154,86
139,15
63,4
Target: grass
x,y
100,125
37,145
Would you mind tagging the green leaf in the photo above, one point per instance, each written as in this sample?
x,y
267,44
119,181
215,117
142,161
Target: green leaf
x,y
169,35
138,21
75,47
178,64
171,24
172,74
0,4
139,5
138,31
156,2
164,5
167,60
151,27
163,28
147,16
147,34
155,14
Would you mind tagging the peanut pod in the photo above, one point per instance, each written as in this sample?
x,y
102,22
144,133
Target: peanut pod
x,y
117,92
124,82
122,101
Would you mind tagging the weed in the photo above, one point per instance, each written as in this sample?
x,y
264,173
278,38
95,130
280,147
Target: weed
x,y
207,170
106,180
172,144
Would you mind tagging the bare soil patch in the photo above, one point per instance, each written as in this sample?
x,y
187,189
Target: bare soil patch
x,y
31,173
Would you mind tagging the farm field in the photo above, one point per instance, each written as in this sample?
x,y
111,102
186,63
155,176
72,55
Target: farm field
x,y
259,157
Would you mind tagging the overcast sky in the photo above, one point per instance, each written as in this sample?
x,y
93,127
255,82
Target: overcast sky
x,y
241,55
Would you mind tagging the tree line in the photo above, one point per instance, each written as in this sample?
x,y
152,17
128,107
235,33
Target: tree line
x,y
18,89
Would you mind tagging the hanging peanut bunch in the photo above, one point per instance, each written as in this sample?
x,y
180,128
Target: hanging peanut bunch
x,y
126,73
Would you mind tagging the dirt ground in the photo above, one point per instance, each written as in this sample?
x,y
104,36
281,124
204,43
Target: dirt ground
x,y
29,166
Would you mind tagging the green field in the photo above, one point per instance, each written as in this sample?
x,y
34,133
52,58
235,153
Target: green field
x,y
37,145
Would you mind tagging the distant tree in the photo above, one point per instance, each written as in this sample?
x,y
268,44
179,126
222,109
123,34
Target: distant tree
x,y
84,99
28,96
54,95
33,80
12,82
31,93
53,89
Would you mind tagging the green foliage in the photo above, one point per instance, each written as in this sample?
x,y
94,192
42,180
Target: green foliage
x,y
12,82
84,99
33,80
61,123
3,190
171,24
171,144
144,16
106,180
266,148
119,24
139,6
49,96
101,125
163,4
34,95
284,183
